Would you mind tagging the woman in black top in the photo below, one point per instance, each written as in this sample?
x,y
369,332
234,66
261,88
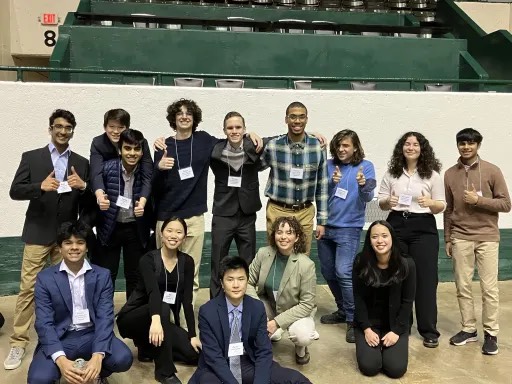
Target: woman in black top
x,y
384,288
166,284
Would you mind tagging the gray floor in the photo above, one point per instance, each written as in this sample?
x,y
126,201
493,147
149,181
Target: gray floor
x,y
333,360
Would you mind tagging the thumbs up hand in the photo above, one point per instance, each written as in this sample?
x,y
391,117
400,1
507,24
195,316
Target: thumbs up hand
x,y
138,211
74,181
50,183
165,162
336,176
361,180
471,196
424,201
393,200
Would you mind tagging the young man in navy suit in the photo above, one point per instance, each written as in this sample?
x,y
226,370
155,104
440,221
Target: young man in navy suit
x,y
75,317
233,332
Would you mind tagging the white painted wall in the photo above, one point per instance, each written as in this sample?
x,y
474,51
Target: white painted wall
x,y
378,117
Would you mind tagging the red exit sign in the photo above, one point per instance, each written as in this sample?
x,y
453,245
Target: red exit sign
x,y
49,19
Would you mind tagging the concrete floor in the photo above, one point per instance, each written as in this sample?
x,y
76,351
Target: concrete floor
x,y
333,360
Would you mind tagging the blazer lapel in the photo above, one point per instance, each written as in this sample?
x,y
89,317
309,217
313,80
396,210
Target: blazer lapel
x,y
217,149
62,280
288,270
46,160
222,311
250,150
246,322
266,264
90,284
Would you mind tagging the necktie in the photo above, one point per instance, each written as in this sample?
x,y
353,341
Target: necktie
x,y
234,361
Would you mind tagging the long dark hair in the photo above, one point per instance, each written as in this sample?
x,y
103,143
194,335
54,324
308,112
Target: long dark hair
x,y
365,265
300,245
427,162
358,155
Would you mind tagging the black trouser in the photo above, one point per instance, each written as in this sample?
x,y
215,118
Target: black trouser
x,y
175,347
390,360
240,227
419,239
125,236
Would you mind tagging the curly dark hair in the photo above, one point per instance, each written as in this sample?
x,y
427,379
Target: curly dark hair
x,y
300,245
358,148
427,161
192,107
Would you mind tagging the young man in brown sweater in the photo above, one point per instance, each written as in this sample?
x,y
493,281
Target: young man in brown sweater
x,y
475,193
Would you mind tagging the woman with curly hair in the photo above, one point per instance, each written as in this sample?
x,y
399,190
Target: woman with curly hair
x,y
283,277
413,190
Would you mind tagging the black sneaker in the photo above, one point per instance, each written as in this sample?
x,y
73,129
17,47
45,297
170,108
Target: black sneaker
x,y
490,346
431,343
350,337
336,317
462,338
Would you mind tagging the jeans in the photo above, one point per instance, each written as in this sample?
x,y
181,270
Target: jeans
x,y
336,251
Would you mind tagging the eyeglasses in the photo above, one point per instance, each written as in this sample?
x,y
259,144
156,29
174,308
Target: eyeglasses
x,y
65,128
297,117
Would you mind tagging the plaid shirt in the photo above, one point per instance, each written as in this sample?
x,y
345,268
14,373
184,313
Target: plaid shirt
x,y
280,154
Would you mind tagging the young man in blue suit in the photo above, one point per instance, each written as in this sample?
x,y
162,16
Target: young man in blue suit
x,y
233,331
75,317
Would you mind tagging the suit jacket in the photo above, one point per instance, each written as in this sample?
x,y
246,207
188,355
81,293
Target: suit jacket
x,y
401,297
296,298
54,308
214,333
47,210
227,200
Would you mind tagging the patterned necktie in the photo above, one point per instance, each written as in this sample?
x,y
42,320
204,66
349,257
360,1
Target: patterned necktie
x,y
234,361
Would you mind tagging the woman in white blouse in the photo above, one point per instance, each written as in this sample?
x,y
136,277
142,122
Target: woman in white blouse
x,y
413,190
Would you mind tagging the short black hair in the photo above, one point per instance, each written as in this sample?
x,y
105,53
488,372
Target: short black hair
x,y
63,114
296,104
79,229
469,134
132,137
117,114
232,262
192,107
174,218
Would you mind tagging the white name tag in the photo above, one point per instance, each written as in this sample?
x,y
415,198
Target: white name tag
x,y
235,181
186,173
297,173
236,349
169,297
405,199
64,187
341,193
81,316
479,193
123,202
275,295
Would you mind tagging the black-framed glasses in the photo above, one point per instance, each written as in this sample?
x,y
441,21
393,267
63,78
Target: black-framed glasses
x,y
63,128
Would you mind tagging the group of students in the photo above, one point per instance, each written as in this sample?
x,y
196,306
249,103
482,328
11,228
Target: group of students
x,y
130,194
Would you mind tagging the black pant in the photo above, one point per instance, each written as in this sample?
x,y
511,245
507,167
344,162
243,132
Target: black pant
x,y
278,374
390,360
419,239
240,227
175,347
125,236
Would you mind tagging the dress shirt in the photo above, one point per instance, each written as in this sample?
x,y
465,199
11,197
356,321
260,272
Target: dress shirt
x,y
60,161
231,315
414,185
127,215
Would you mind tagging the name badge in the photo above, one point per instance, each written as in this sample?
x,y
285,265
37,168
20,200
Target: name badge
x,y
123,202
405,199
235,181
81,316
275,295
169,297
297,173
236,349
479,193
341,193
186,173
64,187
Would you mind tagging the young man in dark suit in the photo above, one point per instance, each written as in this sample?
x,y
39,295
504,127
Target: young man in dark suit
x,y
233,332
75,317
54,180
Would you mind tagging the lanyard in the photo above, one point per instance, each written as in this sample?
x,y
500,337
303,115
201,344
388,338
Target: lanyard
x,y
191,153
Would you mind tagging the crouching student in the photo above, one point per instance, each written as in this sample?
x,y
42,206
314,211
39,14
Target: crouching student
x,y
233,330
283,277
166,284
74,304
384,288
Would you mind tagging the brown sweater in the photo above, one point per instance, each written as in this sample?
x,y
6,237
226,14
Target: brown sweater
x,y
477,222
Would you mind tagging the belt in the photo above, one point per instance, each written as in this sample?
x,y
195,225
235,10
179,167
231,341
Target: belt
x,y
295,207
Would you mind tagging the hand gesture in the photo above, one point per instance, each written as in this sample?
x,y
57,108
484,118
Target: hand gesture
x,y
424,201
71,374
165,162
390,339
471,197
74,181
361,180
372,339
448,248
102,200
196,344
156,333
138,211
50,183
393,200
93,368
336,176
159,144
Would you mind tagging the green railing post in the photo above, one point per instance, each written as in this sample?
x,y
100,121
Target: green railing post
x,y
19,74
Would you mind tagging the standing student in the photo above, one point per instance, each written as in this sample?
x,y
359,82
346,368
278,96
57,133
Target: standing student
x,y
413,190
54,181
351,185
476,192
384,288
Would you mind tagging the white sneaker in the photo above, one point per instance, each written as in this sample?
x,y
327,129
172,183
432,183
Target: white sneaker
x,y
13,360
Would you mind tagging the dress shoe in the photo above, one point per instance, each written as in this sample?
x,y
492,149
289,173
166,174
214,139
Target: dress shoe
x,y
170,380
430,343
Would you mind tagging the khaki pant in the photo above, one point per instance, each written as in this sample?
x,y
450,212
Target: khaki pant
x,y
35,257
485,253
304,216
